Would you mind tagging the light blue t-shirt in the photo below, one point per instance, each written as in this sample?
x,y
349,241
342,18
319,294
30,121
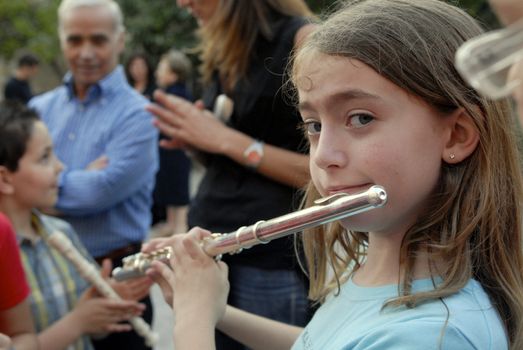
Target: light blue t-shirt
x,y
355,320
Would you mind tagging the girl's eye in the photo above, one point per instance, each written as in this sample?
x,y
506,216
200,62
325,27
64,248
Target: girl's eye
x,y
360,120
312,127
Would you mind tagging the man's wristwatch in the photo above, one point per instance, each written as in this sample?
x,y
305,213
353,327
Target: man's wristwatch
x,y
253,154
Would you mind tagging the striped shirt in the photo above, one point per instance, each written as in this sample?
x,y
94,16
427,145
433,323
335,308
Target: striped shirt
x,y
55,283
108,208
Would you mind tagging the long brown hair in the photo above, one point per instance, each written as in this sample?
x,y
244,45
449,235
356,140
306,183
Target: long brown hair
x,y
474,219
228,39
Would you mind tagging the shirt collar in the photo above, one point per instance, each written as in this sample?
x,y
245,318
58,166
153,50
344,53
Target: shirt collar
x,y
109,84
38,225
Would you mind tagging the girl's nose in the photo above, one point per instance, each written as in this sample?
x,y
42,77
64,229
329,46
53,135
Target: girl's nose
x,y
330,150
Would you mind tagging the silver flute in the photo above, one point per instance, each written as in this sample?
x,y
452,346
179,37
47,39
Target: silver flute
x,y
335,207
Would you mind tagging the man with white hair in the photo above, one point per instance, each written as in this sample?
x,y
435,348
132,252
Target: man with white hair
x,y
105,138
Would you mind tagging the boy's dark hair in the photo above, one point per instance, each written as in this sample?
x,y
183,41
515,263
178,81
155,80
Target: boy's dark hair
x,y
28,60
16,126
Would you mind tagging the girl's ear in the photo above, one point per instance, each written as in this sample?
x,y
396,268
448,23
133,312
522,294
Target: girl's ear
x,y
6,186
463,137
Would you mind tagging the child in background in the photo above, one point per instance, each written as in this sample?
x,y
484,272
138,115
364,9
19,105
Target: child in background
x,y
173,74
171,194
440,265
16,323
66,311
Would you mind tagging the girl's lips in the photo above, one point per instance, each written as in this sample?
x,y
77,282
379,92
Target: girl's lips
x,y
348,189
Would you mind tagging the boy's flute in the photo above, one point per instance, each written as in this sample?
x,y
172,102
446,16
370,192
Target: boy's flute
x,y
87,270
327,209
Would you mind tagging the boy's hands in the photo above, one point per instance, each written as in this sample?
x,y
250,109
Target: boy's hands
x,y
134,289
94,314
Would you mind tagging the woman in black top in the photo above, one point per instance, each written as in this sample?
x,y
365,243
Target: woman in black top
x,y
255,161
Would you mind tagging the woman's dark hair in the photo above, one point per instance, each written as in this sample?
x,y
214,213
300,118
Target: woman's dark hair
x,y
150,67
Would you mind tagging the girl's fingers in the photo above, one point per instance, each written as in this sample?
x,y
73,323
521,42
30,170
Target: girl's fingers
x,y
180,252
157,243
223,267
163,276
153,244
193,246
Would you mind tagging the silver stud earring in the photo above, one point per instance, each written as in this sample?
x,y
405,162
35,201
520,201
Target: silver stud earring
x,y
452,156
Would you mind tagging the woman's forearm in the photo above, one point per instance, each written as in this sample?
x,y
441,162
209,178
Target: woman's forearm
x,y
281,165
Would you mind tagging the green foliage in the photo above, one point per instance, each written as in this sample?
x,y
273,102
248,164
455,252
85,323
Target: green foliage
x,y
156,26
152,26
480,10
28,25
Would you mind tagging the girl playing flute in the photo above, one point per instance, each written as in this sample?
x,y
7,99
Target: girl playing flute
x,y
440,265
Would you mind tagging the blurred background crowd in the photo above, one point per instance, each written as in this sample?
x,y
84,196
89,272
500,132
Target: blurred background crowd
x,y
29,26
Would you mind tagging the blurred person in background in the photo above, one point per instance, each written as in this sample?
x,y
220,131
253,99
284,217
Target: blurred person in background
x,y
17,87
105,139
140,74
171,194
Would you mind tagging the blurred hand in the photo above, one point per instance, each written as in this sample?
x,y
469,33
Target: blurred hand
x,y
187,124
5,342
93,314
134,289
99,163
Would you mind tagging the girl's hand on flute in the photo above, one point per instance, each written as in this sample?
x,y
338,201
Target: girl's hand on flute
x,y
162,242
93,314
194,273
155,244
159,272
162,275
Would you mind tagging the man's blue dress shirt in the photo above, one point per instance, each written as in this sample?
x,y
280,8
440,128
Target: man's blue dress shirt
x,y
108,208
